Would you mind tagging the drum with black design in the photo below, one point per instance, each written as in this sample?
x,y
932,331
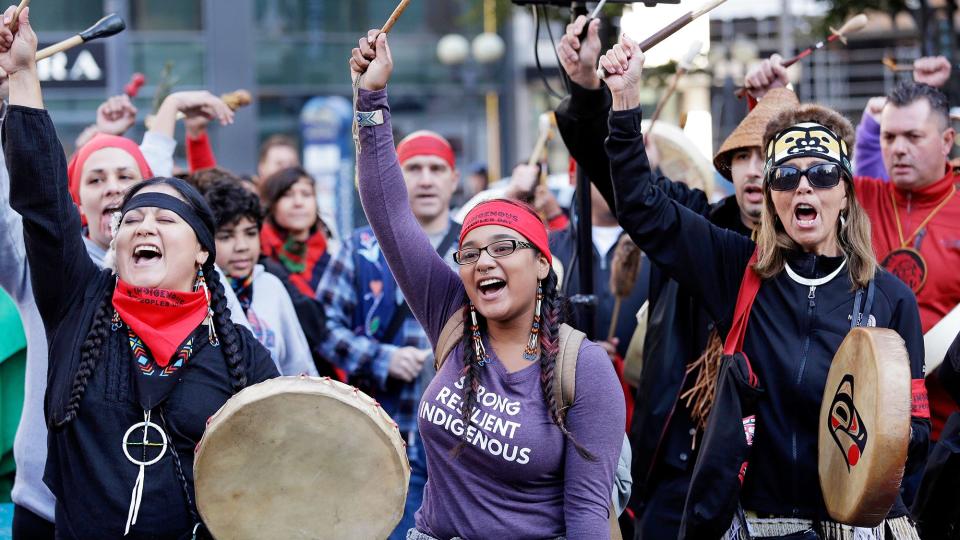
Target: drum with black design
x,y
299,457
864,426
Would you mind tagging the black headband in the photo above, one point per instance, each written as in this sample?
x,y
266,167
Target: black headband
x,y
182,209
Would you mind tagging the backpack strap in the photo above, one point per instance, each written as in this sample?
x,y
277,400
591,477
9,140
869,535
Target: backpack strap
x,y
565,372
449,337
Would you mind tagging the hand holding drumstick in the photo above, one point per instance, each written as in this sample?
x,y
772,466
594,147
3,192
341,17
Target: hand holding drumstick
x,y
372,61
624,65
17,52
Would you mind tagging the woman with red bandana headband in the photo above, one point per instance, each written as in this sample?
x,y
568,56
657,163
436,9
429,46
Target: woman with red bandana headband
x,y
140,357
503,460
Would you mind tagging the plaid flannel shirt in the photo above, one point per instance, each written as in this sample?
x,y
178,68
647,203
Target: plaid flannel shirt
x,y
362,355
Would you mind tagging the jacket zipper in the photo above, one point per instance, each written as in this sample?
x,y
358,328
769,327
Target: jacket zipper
x,y
811,304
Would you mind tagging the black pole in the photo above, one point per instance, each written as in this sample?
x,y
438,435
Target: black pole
x,y
584,302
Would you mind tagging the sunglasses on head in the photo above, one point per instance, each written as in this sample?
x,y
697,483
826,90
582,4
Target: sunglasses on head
x,y
820,176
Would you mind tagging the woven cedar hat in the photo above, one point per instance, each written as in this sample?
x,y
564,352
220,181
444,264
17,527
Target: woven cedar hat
x,y
750,131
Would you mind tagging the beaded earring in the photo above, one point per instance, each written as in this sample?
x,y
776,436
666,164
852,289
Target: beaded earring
x,y
482,358
212,332
530,351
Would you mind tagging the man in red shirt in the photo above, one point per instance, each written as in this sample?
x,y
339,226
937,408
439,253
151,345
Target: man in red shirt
x,y
915,217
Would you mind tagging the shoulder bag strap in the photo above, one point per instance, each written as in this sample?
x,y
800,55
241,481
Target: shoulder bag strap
x,y
448,339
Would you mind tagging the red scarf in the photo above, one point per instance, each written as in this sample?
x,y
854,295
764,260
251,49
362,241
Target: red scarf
x,y
299,258
162,318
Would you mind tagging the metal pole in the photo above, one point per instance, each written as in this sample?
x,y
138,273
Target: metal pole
x,y
584,302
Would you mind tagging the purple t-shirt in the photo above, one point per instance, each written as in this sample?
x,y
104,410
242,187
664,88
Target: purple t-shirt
x,y
518,477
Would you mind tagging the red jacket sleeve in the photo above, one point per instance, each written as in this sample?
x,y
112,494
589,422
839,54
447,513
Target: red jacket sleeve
x,y
200,153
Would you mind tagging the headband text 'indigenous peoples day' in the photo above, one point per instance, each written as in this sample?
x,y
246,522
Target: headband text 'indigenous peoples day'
x,y
808,139
511,215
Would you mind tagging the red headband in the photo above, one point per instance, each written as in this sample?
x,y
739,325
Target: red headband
x,y
425,143
511,215
99,142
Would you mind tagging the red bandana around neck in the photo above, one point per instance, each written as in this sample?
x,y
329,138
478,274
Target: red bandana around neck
x,y
162,318
511,215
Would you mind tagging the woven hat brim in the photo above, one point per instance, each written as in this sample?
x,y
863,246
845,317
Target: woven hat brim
x,y
749,132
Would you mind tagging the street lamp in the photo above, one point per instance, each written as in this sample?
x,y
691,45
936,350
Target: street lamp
x,y
487,48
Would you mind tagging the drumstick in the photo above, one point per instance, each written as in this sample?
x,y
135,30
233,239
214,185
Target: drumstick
x,y
15,22
586,25
401,7
108,26
893,66
671,29
132,88
234,100
853,25
547,121
685,64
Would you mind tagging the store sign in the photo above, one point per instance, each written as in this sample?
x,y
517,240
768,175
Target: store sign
x,y
80,67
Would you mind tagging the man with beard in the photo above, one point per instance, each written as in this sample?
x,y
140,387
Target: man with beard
x,y
681,345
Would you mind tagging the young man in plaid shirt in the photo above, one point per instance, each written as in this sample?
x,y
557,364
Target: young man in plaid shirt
x,y
371,333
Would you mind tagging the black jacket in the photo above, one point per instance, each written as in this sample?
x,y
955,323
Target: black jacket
x,y
86,468
793,331
677,326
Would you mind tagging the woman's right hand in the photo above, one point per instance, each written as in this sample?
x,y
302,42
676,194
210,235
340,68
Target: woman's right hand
x,y
624,65
17,51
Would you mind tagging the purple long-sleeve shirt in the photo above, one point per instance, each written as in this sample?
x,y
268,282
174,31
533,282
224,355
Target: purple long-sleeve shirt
x,y
867,158
518,477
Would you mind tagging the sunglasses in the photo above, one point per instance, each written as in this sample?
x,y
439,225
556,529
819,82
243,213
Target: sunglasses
x,y
820,176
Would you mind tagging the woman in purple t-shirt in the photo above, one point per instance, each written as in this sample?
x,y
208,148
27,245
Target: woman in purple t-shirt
x,y
503,460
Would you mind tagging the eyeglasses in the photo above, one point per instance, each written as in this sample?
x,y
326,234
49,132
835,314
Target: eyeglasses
x,y
498,249
821,176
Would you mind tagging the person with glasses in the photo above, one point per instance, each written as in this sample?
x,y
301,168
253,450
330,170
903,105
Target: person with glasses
x,y
812,254
502,458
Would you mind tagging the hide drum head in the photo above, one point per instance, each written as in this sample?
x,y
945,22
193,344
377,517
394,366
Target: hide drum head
x,y
865,426
300,457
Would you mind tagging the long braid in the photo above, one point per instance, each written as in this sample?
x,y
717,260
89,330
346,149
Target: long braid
x,y
551,318
90,352
226,330
471,374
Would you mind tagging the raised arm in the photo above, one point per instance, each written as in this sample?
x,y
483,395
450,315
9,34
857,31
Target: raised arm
x,y
582,118
431,288
60,267
868,160
699,255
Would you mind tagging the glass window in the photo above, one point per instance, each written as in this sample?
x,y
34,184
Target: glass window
x,y
65,15
187,58
166,15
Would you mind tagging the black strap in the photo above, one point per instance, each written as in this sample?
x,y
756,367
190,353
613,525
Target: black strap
x,y
858,317
403,310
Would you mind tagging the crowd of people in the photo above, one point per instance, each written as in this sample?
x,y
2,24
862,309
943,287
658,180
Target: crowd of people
x,y
151,295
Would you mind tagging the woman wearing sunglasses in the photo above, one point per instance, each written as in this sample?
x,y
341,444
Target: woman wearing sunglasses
x,y
503,459
813,254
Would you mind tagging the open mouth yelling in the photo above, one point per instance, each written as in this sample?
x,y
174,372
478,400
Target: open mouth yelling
x,y
147,255
753,194
106,218
491,288
805,216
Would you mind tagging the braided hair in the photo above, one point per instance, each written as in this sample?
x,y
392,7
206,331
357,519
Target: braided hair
x,y
554,310
100,328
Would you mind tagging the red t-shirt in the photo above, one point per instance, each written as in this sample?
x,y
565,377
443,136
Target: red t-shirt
x,y
938,244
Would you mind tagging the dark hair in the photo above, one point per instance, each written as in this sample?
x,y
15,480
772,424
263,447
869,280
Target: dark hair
x,y
274,141
907,92
204,178
275,186
230,202
100,327
553,314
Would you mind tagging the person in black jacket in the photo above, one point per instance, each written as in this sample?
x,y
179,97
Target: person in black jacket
x,y
814,251
140,357
663,431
